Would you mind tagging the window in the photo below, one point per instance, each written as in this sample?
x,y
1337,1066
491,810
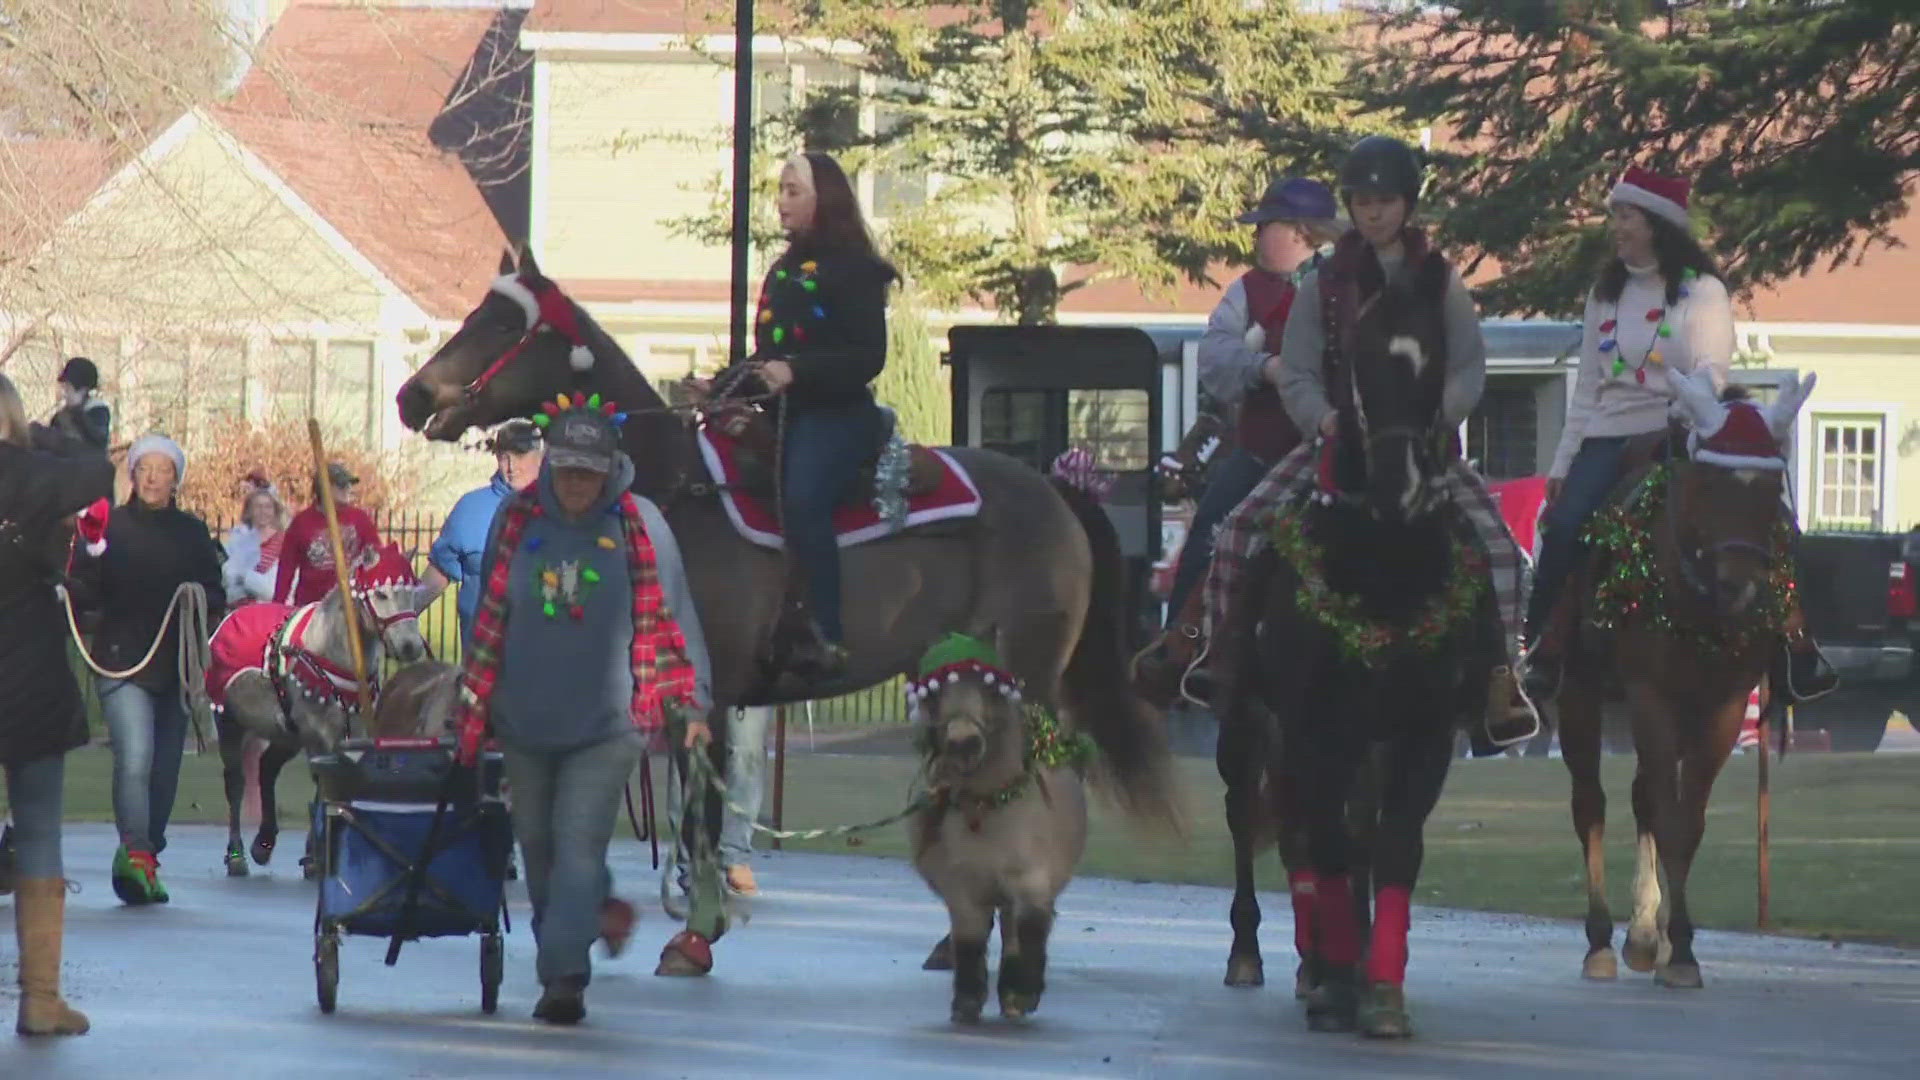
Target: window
x,y
898,186
287,371
219,384
1037,425
343,399
1014,422
162,371
1847,475
1503,432
831,117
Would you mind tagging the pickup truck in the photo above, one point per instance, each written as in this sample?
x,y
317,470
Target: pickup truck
x,y
1859,594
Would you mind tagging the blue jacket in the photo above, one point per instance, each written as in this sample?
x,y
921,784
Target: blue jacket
x,y
463,543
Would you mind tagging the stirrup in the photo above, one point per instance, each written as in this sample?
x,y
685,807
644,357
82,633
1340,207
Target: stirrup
x,y
1822,679
1513,688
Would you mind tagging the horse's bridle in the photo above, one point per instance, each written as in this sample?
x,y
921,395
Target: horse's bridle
x,y
1689,568
552,312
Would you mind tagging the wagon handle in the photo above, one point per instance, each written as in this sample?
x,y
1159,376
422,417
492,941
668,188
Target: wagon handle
x,y
344,571
417,874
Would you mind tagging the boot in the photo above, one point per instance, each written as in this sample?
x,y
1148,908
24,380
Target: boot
x,y
38,919
813,660
740,880
1809,675
562,1001
1511,715
7,865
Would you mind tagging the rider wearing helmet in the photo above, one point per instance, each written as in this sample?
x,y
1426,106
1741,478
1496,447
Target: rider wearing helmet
x,y
1380,184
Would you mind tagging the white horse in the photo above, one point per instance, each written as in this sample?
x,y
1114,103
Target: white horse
x,y
286,674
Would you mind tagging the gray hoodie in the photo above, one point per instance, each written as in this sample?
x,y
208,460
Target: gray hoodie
x,y
566,679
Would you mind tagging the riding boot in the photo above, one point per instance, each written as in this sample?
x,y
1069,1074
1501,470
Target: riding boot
x,y
1809,675
1511,716
7,863
1545,656
38,918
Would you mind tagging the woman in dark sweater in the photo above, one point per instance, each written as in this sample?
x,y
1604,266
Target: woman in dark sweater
x,y
820,338
44,477
153,548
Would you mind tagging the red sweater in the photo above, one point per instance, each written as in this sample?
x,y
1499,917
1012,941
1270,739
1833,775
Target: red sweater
x,y
306,561
1264,429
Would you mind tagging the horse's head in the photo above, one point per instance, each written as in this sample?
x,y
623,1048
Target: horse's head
x,y
969,708
384,586
1728,498
1392,446
525,342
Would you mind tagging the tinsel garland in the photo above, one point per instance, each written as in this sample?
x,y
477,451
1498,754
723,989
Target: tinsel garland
x,y
1632,589
890,476
1363,639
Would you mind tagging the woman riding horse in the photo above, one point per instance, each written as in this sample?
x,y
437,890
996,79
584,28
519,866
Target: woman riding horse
x,y
1629,367
820,339
1380,183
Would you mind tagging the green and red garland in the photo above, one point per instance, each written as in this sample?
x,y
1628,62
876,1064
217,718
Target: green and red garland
x,y
959,656
1632,590
1366,640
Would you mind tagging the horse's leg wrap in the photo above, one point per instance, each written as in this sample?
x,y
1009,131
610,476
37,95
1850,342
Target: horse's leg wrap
x,y
972,924
1339,932
1387,959
1304,887
1023,977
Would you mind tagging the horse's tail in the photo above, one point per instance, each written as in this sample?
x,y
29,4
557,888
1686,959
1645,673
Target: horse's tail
x,y
1099,697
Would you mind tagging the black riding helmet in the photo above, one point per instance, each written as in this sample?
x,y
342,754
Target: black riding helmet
x,y
1383,165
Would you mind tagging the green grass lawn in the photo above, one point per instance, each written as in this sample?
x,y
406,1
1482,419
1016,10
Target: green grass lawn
x,y
1846,850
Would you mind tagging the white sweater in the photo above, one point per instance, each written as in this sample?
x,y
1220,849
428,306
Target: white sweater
x,y
1605,404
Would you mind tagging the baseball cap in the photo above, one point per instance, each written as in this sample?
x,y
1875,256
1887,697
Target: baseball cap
x,y
339,475
514,437
582,439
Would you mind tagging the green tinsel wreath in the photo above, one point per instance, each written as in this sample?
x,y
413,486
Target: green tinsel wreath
x,y
1363,639
1632,589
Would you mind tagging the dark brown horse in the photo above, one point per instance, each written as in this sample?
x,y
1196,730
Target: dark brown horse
x,y
1711,536
1042,577
1364,634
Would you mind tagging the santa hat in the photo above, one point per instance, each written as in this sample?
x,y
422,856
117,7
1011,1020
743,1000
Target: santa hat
x,y
1744,441
1662,196
547,308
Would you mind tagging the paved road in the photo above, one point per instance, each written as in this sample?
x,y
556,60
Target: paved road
x,y
825,982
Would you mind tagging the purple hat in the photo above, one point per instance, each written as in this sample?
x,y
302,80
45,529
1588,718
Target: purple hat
x,y
1296,199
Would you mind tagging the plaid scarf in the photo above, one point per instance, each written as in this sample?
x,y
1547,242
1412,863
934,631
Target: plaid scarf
x,y
662,674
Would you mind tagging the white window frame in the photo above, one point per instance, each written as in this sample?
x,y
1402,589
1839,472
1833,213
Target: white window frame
x,y
1835,418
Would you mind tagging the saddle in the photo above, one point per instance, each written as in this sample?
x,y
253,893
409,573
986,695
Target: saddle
x,y
756,441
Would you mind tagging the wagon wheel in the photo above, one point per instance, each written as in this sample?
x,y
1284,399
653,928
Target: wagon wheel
x,y
326,969
492,965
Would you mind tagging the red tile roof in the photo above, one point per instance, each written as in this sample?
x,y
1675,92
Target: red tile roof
x,y
343,105
632,16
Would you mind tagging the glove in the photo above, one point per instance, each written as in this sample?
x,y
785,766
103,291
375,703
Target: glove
x,y
91,524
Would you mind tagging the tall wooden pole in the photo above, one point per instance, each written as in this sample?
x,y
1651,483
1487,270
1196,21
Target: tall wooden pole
x,y
1765,822
742,176
779,771
342,570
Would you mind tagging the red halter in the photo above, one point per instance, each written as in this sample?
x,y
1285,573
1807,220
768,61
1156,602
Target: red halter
x,y
546,308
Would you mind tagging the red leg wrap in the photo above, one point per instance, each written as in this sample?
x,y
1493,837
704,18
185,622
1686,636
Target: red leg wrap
x,y
1302,884
1387,962
1334,919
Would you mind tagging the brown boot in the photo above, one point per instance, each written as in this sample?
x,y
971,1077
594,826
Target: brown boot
x,y
1809,675
39,914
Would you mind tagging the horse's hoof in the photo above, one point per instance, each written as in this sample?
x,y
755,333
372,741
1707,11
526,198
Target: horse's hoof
x,y
686,955
236,862
1641,954
1600,966
1246,971
1333,1006
1384,1014
1018,1005
1679,977
263,848
967,1010
941,958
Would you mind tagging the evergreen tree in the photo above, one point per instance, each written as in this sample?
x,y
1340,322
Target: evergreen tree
x,y
1068,141
1797,120
913,383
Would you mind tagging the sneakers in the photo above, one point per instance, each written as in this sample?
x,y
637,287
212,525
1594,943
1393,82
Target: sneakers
x,y
136,877
562,1001
1511,715
740,880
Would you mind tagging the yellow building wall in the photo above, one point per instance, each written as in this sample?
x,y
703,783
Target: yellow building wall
x,y
1864,377
628,146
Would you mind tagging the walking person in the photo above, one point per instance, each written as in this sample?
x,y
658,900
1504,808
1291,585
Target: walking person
x,y
306,573
81,414
746,791
253,547
45,476
137,587
585,646
462,543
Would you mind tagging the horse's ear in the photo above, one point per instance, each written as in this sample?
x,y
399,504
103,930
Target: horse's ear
x,y
529,268
1698,404
507,267
1786,405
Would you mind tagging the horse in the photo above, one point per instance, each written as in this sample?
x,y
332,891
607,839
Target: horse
x,y
1045,572
1681,614
1003,834
284,673
1369,644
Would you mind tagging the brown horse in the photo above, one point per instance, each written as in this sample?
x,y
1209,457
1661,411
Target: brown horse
x,y
1045,572
1685,659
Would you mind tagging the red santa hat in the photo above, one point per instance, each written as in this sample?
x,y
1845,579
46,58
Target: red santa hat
x,y
1662,196
1744,440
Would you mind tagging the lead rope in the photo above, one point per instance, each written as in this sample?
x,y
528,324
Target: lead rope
x,y
190,662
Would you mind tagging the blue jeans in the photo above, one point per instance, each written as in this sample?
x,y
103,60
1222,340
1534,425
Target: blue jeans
x,y
824,452
1232,480
1590,478
149,734
746,781
564,805
34,794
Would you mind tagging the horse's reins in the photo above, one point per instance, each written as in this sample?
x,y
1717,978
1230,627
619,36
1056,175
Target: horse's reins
x,y
192,657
